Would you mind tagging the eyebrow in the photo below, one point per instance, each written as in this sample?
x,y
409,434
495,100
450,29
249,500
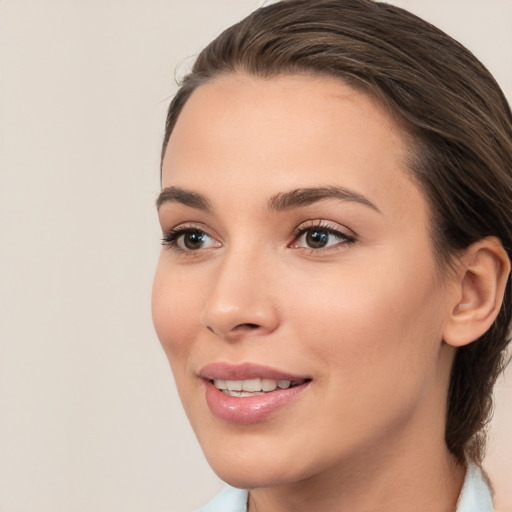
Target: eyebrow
x,y
185,197
306,196
296,198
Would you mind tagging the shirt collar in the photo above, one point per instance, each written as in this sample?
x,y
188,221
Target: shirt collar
x,y
476,495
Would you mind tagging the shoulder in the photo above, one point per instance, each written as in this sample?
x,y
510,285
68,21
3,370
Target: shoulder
x,y
228,500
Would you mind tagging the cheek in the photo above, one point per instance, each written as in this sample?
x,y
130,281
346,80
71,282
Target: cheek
x,y
175,308
375,343
380,322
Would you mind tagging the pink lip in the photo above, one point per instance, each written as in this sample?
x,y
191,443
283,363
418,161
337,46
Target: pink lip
x,y
253,409
227,371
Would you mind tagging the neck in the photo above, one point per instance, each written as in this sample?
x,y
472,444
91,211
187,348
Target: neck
x,y
407,471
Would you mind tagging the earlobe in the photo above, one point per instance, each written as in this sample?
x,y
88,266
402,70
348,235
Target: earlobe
x,y
481,280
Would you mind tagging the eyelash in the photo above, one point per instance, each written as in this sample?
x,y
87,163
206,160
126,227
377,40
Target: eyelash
x,y
323,227
171,239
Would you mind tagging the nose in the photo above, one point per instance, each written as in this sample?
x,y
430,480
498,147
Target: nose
x,y
241,302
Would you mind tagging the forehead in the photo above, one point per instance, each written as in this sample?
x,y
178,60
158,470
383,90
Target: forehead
x,y
269,135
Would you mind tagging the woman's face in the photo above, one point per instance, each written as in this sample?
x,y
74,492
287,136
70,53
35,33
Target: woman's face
x,y
297,275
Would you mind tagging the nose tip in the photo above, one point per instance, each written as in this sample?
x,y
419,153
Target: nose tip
x,y
239,307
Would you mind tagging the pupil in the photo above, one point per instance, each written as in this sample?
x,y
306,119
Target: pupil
x,y
193,240
317,239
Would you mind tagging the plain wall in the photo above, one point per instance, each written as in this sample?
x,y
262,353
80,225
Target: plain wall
x,y
89,418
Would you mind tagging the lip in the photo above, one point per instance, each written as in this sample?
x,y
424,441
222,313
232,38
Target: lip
x,y
253,409
228,371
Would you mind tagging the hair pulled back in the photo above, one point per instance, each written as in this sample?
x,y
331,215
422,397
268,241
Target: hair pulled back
x,y
460,126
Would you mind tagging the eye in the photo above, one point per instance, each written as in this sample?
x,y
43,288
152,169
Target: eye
x,y
188,239
321,236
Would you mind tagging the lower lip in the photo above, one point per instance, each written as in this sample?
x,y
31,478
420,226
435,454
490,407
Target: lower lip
x,y
250,409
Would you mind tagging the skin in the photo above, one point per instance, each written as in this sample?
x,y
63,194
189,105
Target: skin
x,y
364,319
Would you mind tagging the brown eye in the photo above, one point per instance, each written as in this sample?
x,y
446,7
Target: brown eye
x,y
189,240
320,236
193,240
317,239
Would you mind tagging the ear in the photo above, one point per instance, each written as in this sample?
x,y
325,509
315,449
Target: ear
x,y
480,283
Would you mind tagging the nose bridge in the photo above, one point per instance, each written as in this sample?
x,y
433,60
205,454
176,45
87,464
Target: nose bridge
x,y
240,298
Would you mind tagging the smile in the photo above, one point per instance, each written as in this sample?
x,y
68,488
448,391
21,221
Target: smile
x,y
252,387
249,393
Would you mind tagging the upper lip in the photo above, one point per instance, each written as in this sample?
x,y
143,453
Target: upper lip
x,y
244,371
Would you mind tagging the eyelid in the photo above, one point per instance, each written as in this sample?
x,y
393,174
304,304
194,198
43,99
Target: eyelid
x,y
327,225
345,234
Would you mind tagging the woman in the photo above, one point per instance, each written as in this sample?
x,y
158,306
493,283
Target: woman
x,y
333,293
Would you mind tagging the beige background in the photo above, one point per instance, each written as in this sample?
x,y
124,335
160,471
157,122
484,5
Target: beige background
x,y
89,419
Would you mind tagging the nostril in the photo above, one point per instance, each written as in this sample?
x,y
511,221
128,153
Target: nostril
x,y
236,332
247,326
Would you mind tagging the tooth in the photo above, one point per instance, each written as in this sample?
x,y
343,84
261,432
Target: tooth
x,y
241,393
251,385
234,385
220,384
268,384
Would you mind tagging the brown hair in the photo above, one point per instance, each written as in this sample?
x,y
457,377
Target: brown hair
x,y
461,129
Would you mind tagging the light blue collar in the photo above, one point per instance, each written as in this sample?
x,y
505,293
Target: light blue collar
x,y
228,500
476,495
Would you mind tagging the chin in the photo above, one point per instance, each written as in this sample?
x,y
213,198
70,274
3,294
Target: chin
x,y
257,467
253,478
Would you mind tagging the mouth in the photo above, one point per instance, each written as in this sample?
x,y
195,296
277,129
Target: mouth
x,y
249,393
254,387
